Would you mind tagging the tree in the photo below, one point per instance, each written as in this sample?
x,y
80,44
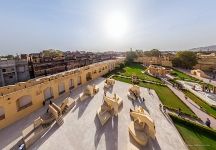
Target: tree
x,y
153,53
8,56
130,56
52,53
185,59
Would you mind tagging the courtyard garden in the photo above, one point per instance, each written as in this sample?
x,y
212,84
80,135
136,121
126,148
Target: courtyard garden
x,y
210,110
197,137
134,69
183,76
166,96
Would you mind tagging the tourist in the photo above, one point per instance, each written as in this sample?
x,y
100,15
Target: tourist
x,y
208,122
160,106
164,109
143,99
50,102
179,111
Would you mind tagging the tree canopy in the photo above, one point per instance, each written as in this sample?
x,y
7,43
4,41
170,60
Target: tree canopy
x,y
153,52
185,59
52,53
130,56
8,56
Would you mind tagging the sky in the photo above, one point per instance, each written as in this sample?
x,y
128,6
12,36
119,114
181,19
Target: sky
x,y
28,26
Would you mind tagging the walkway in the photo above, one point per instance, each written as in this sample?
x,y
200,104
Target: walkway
x,y
194,107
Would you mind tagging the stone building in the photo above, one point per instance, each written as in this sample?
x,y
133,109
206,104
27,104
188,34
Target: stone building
x,y
43,66
206,62
13,71
158,70
163,60
23,98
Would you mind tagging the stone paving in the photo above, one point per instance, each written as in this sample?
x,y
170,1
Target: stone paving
x,y
82,130
210,98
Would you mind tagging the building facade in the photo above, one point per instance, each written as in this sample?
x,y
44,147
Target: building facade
x,y
206,62
21,99
13,71
43,66
163,60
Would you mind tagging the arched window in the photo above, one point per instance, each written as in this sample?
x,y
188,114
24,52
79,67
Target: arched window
x,y
2,113
79,80
71,83
61,88
48,94
24,102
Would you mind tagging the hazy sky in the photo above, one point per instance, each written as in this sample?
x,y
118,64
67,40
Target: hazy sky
x,y
32,25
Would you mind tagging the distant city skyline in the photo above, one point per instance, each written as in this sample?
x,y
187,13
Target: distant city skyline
x,y
30,26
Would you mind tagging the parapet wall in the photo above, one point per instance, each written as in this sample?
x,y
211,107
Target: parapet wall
x,y
21,99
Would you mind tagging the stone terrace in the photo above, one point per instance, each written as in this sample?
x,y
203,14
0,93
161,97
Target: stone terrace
x,y
82,130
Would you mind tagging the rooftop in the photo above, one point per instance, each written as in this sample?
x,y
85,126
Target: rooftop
x,y
82,130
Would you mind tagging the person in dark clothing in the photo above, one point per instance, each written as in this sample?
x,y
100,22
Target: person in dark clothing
x,y
208,122
50,102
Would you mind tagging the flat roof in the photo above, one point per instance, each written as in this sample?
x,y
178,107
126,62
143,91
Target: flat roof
x,y
82,129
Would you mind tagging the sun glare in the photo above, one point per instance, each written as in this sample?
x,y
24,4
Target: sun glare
x,y
116,25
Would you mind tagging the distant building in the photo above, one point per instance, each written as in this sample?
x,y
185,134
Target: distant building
x,y
43,66
163,60
206,62
13,71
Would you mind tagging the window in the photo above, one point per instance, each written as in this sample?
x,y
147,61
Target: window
x,y
24,102
79,80
61,88
3,70
71,83
48,94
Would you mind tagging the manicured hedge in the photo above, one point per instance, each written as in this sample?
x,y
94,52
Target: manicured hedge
x,y
191,124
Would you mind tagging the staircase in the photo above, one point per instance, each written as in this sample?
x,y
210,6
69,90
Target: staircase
x,y
60,120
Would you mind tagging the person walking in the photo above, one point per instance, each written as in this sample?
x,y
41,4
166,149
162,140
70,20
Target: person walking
x,y
208,122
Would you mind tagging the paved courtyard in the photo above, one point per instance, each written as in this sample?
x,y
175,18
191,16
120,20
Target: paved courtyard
x,y
82,130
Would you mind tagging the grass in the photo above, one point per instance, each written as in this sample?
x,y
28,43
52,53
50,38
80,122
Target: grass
x,y
197,137
166,96
183,76
134,69
200,102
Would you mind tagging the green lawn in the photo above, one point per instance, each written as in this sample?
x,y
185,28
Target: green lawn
x,y
196,137
183,76
134,69
166,96
201,103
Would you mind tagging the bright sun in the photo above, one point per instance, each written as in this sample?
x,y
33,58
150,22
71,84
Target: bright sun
x,y
116,25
